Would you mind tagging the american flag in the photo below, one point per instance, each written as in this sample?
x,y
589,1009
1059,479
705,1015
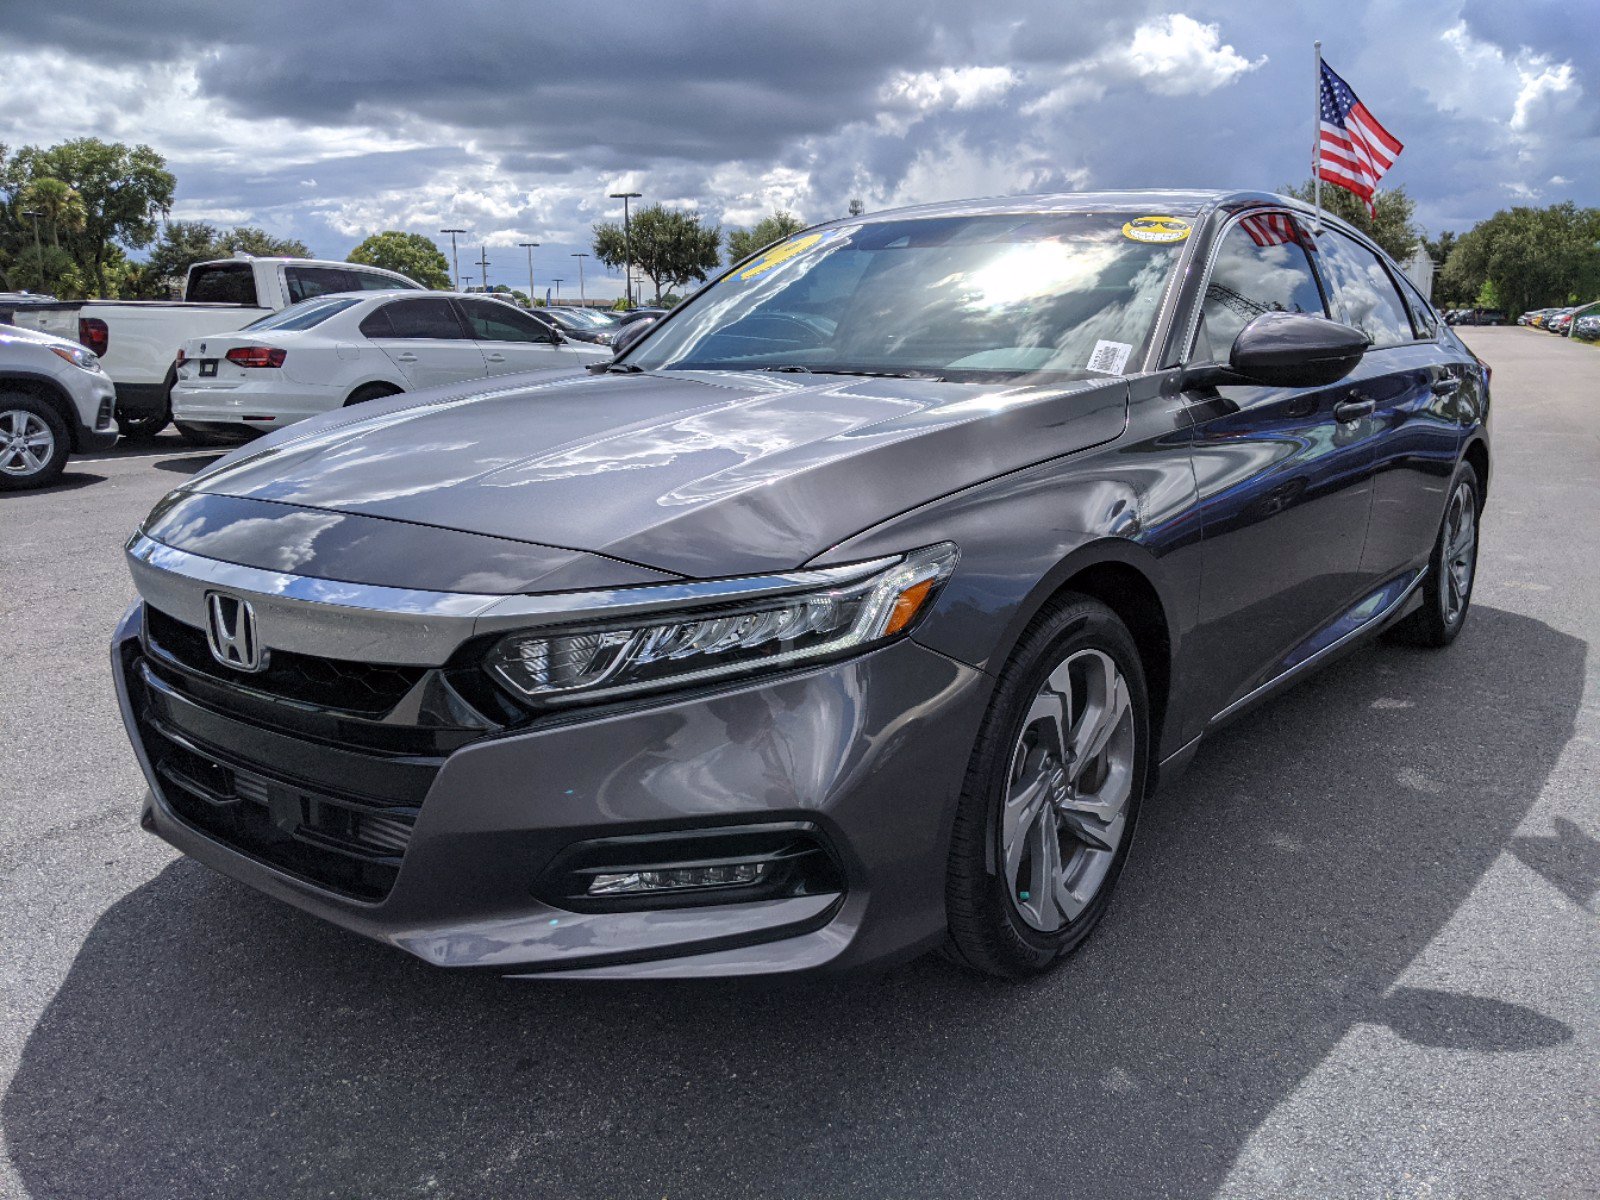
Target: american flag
x,y
1270,229
1355,150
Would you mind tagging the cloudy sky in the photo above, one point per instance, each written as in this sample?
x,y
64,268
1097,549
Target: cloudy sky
x,y
330,120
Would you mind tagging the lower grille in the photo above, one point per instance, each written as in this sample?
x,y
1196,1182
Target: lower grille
x,y
342,844
336,818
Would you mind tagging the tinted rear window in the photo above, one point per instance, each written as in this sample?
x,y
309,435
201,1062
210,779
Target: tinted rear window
x,y
305,314
414,319
223,283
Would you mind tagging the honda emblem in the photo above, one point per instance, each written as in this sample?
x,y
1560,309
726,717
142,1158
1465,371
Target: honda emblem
x,y
231,632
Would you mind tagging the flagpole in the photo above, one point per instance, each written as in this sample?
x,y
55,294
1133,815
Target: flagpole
x,y
1316,140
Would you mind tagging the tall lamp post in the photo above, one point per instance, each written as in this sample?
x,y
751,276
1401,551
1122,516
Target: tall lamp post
x,y
529,247
627,239
483,261
455,259
558,291
583,298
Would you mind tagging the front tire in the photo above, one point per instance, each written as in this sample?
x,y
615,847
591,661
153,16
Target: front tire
x,y
143,428
1052,794
1452,568
34,442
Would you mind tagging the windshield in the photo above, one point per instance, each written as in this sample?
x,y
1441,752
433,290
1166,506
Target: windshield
x,y
959,298
305,314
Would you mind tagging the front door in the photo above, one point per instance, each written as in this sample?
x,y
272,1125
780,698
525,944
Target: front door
x,y
1283,476
513,341
426,339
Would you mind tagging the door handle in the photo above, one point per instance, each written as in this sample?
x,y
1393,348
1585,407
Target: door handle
x,y
1447,386
407,357
497,358
1353,410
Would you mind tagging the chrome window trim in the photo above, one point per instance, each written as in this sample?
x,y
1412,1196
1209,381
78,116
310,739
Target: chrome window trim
x,y
402,626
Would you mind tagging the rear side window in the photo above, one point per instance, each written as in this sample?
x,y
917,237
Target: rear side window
x,y
414,319
1361,290
494,321
1423,315
223,283
1261,267
371,281
307,282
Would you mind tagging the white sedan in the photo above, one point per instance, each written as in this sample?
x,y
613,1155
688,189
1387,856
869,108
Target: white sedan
x,y
342,349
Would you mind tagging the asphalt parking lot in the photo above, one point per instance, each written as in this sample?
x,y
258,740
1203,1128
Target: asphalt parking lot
x,y
1356,953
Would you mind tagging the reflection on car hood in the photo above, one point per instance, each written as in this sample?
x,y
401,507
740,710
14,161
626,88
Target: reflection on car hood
x,y
701,474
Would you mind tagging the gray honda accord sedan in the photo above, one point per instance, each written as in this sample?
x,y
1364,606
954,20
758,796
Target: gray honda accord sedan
x,y
853,611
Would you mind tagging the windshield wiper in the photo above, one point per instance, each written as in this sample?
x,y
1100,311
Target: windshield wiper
x,y
623,368
929,375
787,368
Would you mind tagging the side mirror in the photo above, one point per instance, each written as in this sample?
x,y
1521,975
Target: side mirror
x,y
1282,349
630,334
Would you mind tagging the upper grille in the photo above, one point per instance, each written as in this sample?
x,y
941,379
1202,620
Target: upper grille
x,y
368,689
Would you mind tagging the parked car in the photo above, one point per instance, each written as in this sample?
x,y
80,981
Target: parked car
x,y
1482,316
640,314
1587,328
1540,315
580,324
138,340
55,401
1560,321
348,348
791,641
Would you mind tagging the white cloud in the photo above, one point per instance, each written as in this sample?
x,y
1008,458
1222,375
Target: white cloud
x,y
954,88
1547,90
1177,56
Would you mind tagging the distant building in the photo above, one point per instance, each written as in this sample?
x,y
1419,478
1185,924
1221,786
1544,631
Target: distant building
x,y
1419,269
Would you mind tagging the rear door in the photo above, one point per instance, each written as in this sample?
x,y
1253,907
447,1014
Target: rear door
x,y
1283,475
1412,382
426,339
511,341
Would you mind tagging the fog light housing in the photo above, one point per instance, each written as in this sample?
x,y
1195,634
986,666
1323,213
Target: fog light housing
x,y
679,879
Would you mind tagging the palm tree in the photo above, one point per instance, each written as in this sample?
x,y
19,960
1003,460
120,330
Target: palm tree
x,y
58,204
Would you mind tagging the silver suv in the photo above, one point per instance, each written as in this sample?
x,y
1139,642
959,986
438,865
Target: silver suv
x,y
54,401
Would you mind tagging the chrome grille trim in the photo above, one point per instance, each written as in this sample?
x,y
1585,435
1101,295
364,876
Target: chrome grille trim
x,y
401,626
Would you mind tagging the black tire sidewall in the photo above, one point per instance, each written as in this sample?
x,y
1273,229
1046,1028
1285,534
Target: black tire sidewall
x,y
1075,625
51,471
1449,629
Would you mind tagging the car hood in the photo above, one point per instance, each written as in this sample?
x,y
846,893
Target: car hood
x,y
694,473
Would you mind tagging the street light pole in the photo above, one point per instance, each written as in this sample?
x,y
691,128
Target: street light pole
x,y
483,261
558,291
530,247
455,259
627,239
583,297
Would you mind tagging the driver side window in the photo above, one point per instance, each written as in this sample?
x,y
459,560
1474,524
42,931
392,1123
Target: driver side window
x,y
1260,267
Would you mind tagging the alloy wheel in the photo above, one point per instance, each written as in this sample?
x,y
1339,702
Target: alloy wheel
x,y
27,444
1067,793
1460,552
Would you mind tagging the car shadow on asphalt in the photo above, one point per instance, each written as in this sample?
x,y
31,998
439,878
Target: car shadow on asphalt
x,y
189,463
210,1042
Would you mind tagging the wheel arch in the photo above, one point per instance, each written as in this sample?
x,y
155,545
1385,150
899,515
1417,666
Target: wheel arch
x,y
1123,576
391,388
1477,454
42,387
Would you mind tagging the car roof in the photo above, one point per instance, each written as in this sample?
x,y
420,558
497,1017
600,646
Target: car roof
x,y
1177,202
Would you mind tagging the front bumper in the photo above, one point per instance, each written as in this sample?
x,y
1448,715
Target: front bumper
x,y
869,753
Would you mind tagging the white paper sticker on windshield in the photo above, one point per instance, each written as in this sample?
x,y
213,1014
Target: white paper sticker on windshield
x,y
1109,357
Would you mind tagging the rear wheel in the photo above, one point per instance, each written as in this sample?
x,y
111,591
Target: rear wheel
x,y
1047,813
34,442
140,427
1452,568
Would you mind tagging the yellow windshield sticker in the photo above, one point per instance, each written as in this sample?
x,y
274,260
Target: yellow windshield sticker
x,y
780,253
1156,229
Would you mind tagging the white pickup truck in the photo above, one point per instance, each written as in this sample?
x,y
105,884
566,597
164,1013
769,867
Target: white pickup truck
x,y
138,340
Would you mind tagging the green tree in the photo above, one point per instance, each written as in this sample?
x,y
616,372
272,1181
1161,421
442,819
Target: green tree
x,y
123,189
412,255
1533,257
670,247
1392,228
742,243
259,243
180,246
60,208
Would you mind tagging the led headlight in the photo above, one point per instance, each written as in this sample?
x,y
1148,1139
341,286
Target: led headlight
x,y
694,644
77,356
